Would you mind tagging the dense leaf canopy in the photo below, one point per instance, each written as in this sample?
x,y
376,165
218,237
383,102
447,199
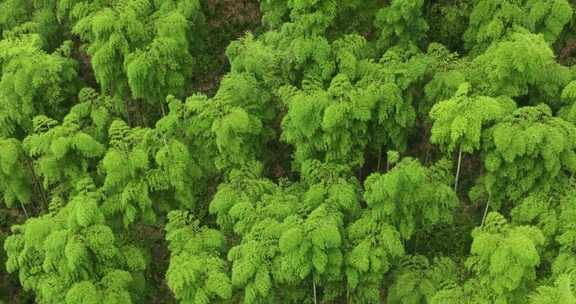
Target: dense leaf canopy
x,y
287,151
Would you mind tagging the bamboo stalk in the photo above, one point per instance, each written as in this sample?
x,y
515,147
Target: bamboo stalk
x,y
314,286
458,170
485,212
24,208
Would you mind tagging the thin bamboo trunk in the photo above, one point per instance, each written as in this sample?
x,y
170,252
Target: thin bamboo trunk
x,y
24,208
458,170
485,212
314,286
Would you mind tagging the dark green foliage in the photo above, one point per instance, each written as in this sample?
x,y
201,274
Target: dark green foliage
x,y
401,23
561,292
419,281
448,20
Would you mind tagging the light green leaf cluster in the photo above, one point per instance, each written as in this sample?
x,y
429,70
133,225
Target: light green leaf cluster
x,y
46,19
239,129
231,129
459,121
366,105
62,153
140,48
409,197
15,179
290,235
375,248
142,165
568,97
124,165
504,258
527,150
197,273
32,82
536,77
449,74
553,213
256,258
73,256
302,16
500,71
491,20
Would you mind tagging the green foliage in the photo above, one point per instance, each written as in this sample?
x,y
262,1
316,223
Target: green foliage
x,y
15,181
291,235
367,105
47,19
128,39
567,112
407,198
239,127
33,82
253,260
458,122
419,281
448,20
304,15
61,153
124,164
553,213
499,70
491,21
96,111
63,257
313,242
527,150
142,165
401,23
231,129
376,246
197,272
315,170
504,258
561,292
410,197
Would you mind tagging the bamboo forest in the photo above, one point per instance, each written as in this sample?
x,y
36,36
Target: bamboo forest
x,y
288,151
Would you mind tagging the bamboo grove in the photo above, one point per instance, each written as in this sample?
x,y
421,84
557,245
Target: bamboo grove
x,y
287,151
